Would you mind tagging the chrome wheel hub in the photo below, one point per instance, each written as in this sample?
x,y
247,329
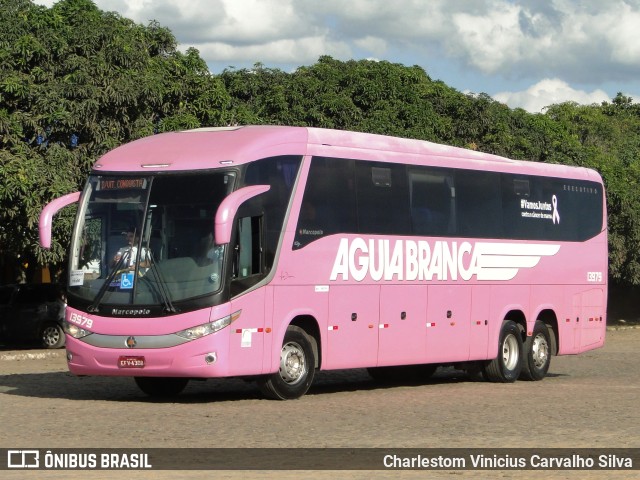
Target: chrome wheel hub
x,y
510,352
540,351
293,365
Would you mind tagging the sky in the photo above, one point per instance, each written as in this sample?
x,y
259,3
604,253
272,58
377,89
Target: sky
x,y
525,53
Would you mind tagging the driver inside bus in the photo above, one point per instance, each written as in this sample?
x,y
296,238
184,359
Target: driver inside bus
x,y
131,250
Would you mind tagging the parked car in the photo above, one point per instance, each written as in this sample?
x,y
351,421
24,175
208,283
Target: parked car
x,y
32,312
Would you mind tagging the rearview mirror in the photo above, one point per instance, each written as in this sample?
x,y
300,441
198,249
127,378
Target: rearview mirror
x,y
228,209
46,216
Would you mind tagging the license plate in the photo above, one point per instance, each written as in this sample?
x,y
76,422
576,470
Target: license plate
x,y
131,362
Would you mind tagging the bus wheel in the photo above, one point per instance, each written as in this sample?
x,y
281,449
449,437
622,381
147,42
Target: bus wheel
x,y
537,353
161,387
506,367
297,368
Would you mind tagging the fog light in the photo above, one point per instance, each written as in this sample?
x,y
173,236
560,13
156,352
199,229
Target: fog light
x,y
69,356
211,358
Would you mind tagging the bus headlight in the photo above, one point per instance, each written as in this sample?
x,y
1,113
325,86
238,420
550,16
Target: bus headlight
x,y
74,330
208,328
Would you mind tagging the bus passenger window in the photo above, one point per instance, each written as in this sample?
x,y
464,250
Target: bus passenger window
x,y
478,203
329,202
382,198
432,203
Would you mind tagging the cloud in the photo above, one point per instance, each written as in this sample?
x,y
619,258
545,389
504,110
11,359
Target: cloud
x,y
586,42
283,51
547,92
233,22
624,28
589,42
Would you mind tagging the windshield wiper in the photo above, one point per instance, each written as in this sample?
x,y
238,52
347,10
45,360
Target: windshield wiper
x,y
95,306
161,284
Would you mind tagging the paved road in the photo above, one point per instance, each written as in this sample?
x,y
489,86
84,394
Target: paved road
x,y
591,401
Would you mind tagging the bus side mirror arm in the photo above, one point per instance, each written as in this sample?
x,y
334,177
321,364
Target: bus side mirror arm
x,y
228,209
46,216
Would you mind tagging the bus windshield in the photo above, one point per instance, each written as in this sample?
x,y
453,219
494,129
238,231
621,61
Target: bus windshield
x,y
148,240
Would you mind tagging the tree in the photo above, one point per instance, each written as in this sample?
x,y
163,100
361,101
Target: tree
x,y
386,98
607,138
375,97
76,82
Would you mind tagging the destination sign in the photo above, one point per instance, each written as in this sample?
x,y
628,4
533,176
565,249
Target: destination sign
x,y
127,183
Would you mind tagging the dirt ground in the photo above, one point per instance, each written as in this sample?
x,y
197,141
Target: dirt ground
x,y
588,401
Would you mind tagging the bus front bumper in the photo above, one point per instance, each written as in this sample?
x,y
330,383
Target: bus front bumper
x,y
202,358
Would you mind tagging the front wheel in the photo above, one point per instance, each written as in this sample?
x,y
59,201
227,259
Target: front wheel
x,y
296,371
537,353
506,367
161,387
52,336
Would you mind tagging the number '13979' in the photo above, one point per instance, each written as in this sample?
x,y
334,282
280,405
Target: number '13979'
x,y
594,277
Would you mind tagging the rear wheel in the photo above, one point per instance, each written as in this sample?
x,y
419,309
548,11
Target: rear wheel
x,y
52,336
296,371
506,367
161,387
537,353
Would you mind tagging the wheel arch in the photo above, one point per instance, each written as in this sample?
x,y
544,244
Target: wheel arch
x,y
513,312
550,319
520,319
310,326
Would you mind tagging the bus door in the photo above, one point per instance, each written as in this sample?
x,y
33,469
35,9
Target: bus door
x,y
352,337
402,330
247,338
448,314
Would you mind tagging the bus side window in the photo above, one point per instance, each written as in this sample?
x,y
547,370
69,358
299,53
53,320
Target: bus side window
x,y
478,204
329,202
248,249
432,196
382,198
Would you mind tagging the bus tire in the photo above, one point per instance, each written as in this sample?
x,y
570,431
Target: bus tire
x,y
506,367
537,353
161,387
296,370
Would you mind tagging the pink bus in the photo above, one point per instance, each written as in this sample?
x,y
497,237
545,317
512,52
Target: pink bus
x,y
269,253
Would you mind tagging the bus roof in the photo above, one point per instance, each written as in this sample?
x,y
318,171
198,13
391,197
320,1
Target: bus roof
x,y
208,148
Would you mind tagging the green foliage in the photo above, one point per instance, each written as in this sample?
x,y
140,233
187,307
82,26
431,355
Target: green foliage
x,y
76,82
607,138
392,99
377,97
